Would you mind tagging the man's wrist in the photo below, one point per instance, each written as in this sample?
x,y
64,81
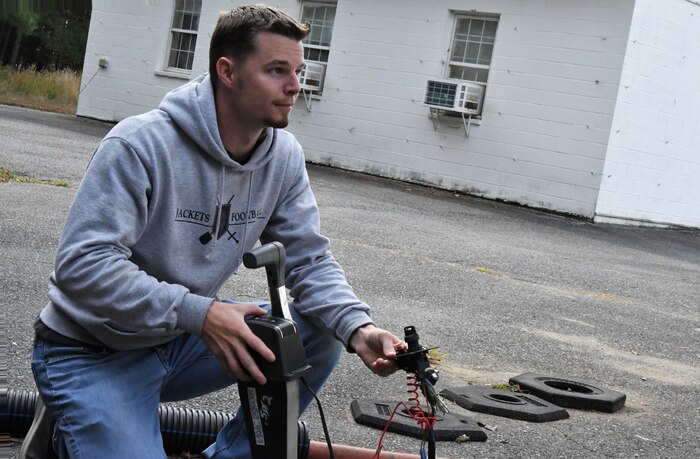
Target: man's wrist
x,y
357,335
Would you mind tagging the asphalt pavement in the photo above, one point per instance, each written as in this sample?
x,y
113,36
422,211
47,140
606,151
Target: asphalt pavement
x,y
500,289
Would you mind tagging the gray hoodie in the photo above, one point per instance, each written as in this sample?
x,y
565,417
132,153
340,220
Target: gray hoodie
x,y
162,218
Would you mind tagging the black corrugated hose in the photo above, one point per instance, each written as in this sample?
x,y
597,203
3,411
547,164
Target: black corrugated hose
x,y
183,429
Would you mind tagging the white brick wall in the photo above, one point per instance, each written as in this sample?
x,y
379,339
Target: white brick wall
x,y
546,121
652,168
134,41
548,137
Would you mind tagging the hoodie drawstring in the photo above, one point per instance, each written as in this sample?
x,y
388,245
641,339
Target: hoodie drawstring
x,y
219,206
250,197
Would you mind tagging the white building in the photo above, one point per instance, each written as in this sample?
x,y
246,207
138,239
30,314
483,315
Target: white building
x,y
588,108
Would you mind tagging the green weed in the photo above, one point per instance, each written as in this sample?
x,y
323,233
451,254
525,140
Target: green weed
x,y
489,271
7,175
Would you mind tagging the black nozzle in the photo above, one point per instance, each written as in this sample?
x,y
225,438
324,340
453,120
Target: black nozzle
x,y
411,337
415,358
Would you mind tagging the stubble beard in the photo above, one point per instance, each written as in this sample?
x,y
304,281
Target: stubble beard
x,y
278,123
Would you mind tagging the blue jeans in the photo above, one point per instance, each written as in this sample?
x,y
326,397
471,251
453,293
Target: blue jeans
x,y
106,403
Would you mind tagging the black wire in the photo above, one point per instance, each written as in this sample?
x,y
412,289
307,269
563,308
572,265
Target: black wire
x,y
430,433
431,444
323,418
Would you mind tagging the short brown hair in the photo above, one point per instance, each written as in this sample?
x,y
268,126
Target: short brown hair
x,y
235,32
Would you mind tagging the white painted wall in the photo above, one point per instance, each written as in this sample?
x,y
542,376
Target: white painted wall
x,y
133,36
550,111
652,169
548,108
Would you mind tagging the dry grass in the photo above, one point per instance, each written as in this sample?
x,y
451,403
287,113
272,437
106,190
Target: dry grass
x,y
490,271
50,91
7,175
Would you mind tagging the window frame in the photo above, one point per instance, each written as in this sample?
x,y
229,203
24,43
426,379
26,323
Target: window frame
x,y
320,48
451,63
167,69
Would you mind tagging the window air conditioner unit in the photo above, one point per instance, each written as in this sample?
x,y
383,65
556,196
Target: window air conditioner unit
x,y
454,95
311,76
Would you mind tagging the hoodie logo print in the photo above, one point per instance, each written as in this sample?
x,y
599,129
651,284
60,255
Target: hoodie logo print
x,y
220,226
224,222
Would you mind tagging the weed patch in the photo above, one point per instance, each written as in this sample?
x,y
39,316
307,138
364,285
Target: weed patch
x,y
50,91
7,175
489,271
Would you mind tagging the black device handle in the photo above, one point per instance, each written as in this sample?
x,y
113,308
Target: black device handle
x,y
273,258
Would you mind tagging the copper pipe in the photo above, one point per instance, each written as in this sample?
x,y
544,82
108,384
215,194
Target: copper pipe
x,y
319,450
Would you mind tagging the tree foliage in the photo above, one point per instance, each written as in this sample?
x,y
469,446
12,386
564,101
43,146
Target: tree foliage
x,y
44,33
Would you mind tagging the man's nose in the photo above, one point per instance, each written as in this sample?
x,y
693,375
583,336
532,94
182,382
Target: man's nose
x,y
294,86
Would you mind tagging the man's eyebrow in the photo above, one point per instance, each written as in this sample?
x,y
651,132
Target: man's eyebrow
x,y
278,62
283,63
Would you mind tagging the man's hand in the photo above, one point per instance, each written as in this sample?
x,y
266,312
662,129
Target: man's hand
x,y
374,346
228,336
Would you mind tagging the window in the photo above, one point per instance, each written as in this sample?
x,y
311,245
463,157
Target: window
x,y
469,61
472,48
317,44
183,34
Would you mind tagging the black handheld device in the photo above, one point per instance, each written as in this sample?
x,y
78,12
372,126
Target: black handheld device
x,y
272,410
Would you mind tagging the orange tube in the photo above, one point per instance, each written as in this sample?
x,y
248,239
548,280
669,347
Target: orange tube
x,y
319,450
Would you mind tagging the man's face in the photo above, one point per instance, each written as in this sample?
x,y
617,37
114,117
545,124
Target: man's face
x,y
267,82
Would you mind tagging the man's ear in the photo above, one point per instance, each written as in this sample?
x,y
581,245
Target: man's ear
x,y
226,71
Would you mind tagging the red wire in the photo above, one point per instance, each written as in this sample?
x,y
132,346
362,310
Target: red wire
x,y
415,412
380,445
